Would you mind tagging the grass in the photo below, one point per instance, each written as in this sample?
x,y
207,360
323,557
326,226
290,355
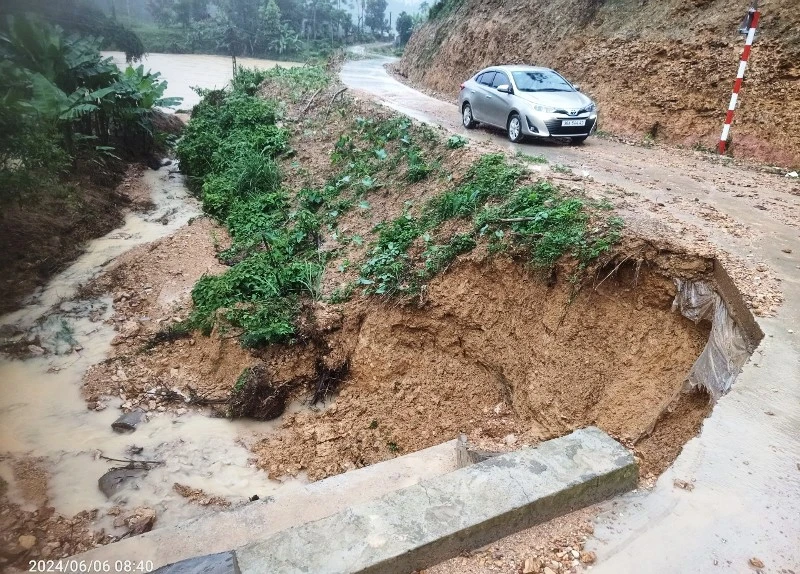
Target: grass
x,y
456,141
527,158
537,218
231,151
561,168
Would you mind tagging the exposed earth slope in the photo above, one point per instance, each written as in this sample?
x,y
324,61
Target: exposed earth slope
x,y
663,69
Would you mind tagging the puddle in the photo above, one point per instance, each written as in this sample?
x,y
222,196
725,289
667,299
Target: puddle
x,y
42,413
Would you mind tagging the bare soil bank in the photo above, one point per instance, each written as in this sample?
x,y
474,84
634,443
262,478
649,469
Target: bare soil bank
x,y
41,235
660,68
498,353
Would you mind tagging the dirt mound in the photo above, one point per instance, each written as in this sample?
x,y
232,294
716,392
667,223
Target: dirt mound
x,y
151,286
660,68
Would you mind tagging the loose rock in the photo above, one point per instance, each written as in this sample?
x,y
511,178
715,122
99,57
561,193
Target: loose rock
x,y
118,478
142,520
531,565
128,422
27,541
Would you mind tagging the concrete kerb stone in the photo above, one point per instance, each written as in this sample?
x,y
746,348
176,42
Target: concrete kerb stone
x,y
434,520
225,530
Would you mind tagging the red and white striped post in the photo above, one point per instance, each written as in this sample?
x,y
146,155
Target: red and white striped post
x,y
751,33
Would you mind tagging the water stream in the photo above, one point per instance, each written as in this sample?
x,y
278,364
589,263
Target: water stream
x,y
42,413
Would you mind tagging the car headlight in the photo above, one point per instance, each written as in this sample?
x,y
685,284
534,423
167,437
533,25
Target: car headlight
x,y
592,107
544,109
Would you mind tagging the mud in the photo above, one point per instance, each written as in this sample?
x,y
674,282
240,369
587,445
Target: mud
x,y
40,236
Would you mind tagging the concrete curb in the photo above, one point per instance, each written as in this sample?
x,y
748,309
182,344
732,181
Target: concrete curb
x,y
434,520
225,530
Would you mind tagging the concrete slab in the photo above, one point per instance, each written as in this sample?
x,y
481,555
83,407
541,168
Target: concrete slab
x,y
436,519
223,530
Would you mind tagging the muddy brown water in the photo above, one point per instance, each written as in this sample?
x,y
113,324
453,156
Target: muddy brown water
x,y
183,72
42,413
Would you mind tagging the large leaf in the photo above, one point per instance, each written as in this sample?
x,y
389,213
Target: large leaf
x,y
48,100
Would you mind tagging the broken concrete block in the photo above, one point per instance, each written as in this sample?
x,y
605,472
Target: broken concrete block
x,y
117,479
427,523
467,454
128,421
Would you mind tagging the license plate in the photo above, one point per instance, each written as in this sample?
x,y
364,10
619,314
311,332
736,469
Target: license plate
x,y
572,123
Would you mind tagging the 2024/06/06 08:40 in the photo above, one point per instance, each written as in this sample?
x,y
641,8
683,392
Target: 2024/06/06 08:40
x,y
87,566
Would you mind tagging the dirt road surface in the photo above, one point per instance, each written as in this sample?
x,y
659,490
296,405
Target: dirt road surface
x,y
745,463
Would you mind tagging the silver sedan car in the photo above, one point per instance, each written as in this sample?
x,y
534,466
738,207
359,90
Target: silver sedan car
x,y
527,101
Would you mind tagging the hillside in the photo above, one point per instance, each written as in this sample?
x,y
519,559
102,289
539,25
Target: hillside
x,y
663,68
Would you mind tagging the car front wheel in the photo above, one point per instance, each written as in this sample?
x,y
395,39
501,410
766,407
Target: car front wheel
x,y
515,128
466,117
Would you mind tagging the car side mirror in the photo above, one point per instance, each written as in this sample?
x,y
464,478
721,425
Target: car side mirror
x,y
505,88
577,88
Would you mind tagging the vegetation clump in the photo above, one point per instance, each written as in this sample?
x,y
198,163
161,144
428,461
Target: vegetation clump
x,y
229,154
232,152
539,218
64,101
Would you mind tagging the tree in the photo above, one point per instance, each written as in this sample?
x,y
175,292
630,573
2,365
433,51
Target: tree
x,y
188,11
422,13
80,17
405,23
270,25
161,11
374,15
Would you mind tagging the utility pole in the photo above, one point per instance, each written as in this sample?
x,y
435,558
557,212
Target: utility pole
x,y
748,27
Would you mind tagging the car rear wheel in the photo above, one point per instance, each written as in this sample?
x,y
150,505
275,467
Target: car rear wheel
x,y
466,117
515,128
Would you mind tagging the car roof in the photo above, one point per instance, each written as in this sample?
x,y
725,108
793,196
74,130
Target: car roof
x,y
516,68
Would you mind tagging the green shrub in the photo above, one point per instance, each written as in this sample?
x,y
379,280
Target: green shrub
x,y
490,177
456,142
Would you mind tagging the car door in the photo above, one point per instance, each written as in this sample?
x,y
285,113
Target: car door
x,y
498,106
483,93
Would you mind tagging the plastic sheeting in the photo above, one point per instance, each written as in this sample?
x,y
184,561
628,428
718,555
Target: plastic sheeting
x,y
727,348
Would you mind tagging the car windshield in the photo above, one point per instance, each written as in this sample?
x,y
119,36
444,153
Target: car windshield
x,y
540,81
